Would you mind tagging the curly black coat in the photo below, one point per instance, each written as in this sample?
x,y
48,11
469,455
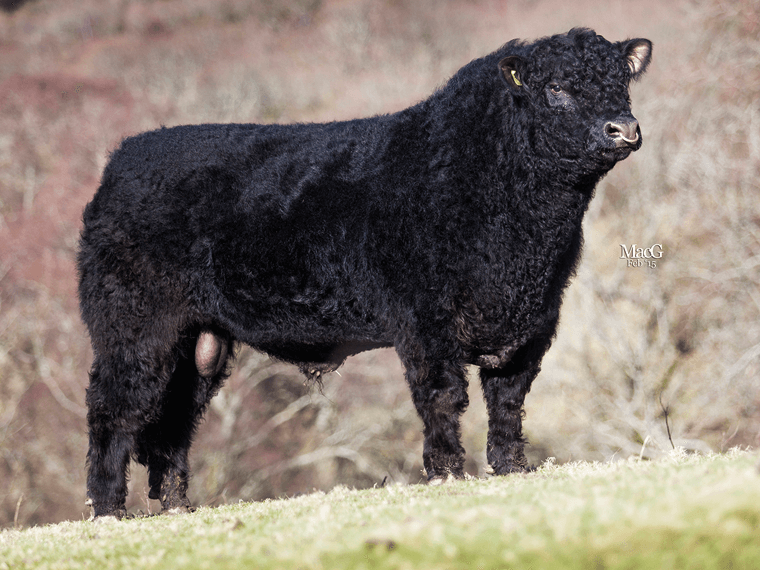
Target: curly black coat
x,y
447,230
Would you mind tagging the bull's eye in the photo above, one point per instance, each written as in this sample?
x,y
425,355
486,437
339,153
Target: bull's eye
x,y
559,98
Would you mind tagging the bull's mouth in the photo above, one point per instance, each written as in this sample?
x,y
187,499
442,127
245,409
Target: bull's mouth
x,y
622,149
621,153
612,143
608,157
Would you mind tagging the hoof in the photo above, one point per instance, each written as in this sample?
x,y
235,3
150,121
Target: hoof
x,y
97,513
511,469
105,519
177,511
437,480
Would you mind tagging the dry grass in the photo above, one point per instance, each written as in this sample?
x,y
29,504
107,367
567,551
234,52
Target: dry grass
x,y
680,512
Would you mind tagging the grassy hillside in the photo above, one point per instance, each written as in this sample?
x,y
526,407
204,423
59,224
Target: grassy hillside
x,y
682,512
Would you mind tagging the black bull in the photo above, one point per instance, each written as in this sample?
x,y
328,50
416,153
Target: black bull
x,y
448,230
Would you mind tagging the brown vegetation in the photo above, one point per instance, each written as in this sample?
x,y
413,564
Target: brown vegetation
x,y
634,341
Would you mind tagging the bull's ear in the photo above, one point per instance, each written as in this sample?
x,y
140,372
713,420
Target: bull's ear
x,y
511,69
638,54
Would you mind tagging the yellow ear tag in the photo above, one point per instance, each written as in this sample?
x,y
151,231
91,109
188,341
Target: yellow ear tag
x,y
517,81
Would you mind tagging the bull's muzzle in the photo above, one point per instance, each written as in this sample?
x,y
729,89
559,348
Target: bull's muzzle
x,y
623,133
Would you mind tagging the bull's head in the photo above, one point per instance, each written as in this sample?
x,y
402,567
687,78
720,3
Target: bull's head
x,y
576,87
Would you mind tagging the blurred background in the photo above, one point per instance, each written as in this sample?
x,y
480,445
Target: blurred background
x,y
637,345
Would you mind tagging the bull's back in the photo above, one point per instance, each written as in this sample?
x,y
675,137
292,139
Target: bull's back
x,y
259,221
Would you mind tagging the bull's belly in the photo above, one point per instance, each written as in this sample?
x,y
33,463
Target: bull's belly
x,y
328,355
304,328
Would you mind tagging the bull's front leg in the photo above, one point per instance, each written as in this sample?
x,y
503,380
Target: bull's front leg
x,y
504,390
439,393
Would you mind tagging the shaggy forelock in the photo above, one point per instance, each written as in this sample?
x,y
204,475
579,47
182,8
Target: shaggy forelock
x,y
593,68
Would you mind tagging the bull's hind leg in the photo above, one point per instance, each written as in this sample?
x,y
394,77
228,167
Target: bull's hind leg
x,y
110,446
504,390
118,402
164,444
439,393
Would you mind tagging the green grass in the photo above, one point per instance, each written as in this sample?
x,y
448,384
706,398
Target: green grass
x,y
681,513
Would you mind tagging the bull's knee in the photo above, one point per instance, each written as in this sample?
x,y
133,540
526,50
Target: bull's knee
x,y
210,354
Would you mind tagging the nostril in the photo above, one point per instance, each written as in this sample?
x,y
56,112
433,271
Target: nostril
x,y
627,132
612,130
